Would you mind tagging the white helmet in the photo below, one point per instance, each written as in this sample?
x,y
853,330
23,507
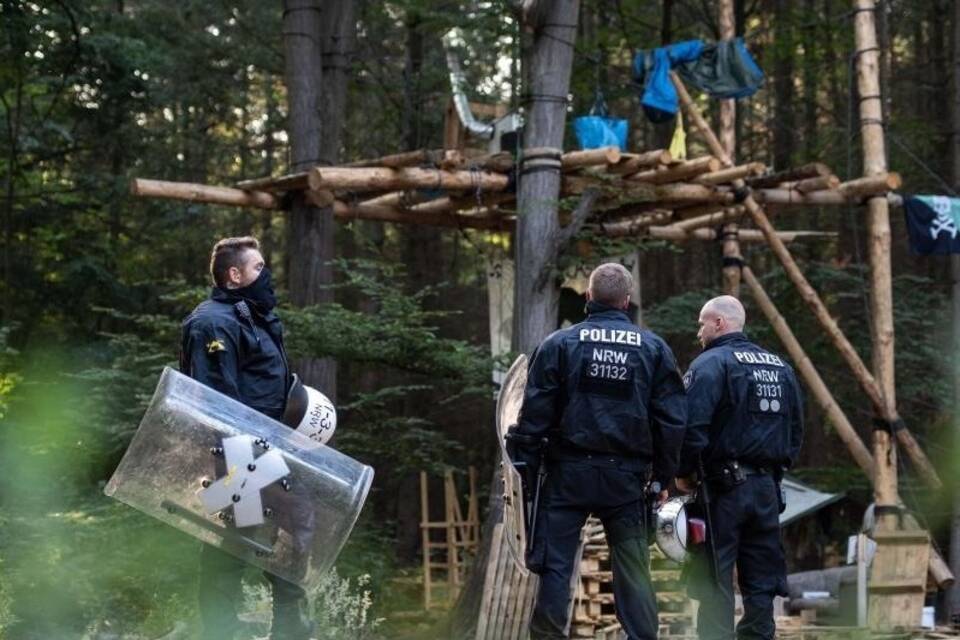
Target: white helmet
x,y
310,412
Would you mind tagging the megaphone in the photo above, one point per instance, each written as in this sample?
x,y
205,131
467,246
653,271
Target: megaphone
x,y
310,412
673,530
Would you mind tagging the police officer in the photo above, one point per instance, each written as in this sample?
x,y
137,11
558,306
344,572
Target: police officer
x,y
744,427
609,400
233,342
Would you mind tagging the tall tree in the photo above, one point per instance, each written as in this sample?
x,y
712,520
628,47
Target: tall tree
x,y
953,602
316,37
547,62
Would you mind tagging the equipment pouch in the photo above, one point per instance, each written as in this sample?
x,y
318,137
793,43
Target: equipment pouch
x,y
781,498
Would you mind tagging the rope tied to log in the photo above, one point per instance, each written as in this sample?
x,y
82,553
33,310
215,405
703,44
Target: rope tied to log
x,y
890,426
536,159
527,98
733,261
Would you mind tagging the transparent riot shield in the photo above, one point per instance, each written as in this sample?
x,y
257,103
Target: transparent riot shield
x,y
234,478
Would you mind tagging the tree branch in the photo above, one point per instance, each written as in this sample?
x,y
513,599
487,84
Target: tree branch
x,y
563,236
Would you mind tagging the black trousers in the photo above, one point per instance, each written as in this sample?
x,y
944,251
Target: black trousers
x,y
220,596
613,491
746,533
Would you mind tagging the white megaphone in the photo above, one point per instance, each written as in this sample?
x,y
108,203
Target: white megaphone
x,y
310,412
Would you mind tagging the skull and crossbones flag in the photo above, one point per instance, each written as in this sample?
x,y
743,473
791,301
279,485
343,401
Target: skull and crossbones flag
x,y
933,224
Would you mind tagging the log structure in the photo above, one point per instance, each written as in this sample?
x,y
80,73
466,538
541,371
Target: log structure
x,y
644,195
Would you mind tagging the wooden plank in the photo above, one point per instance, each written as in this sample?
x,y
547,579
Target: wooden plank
x,y
489,582
897,581
425,539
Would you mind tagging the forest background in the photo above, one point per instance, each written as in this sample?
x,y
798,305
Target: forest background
x,y
95,282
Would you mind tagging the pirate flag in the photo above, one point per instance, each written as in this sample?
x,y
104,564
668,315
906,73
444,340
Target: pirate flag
x,y
933,224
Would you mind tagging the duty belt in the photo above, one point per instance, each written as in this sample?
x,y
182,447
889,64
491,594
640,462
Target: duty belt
x,y
747,469
559,453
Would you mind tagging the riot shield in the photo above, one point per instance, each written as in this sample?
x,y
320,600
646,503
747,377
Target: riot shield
x,y
508,410
234,478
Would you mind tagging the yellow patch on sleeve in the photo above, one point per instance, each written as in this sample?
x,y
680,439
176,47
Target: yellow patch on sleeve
x,y
215,345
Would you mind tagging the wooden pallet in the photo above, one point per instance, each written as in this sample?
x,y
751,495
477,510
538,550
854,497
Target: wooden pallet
x,y
509,594
594,609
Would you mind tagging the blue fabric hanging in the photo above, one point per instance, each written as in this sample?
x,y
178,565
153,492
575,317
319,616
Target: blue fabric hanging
x,y
598,129
724,70
651,70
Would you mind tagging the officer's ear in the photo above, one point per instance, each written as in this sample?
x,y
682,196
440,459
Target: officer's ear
x,y
234,276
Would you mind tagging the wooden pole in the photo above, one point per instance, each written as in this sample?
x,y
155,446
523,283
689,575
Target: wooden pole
x,y
631,163
811,170
202,193
729,175
878,225
385,179
846,193
732,259
677,172
938,568
804,366
730,214
590,157
425,539
810,296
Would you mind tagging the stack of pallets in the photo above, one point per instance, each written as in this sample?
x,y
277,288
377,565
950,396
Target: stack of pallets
x,y
594,612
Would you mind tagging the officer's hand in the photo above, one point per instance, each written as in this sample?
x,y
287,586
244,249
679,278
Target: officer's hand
x,y
662,497
686,485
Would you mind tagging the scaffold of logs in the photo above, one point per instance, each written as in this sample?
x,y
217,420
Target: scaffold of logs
x,y
646,194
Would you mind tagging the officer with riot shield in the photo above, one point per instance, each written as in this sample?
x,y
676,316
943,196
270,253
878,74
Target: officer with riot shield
x,y
744,428
233,342
603,417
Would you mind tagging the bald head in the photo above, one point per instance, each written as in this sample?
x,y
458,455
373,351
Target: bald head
x,y
720,316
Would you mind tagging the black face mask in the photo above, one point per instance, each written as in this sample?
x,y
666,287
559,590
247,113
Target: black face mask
x,y
258,293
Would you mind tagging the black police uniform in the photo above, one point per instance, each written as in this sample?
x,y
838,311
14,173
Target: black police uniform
x,y
609,399
235,346
745,420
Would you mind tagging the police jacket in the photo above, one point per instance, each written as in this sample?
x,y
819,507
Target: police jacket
x,y
743,403
606,386
228,345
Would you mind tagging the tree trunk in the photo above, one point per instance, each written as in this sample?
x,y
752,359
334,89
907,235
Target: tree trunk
x,y
316,38
784,124
878,225
953,600
728,139
548,65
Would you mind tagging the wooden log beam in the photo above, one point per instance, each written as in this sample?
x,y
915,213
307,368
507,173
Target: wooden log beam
x,y
815,384
662,194
590,157
812,170
633,162
203,193
633,225
344,212
820,183
288,182
821,393
850,192
443,158
403,199
383,179
678,172
500,162
867,382
729,175
723,216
